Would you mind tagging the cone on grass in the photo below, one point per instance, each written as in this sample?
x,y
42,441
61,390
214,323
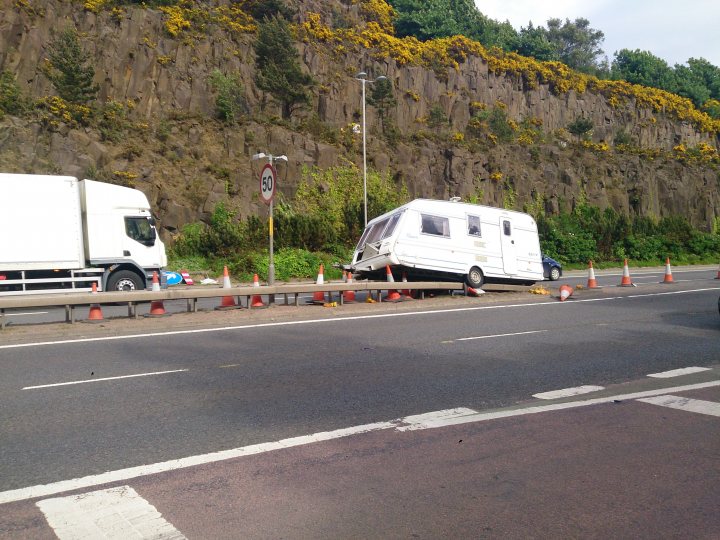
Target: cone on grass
x,y
592,282
668,273
227,302
565,292
626,281
157,309
257,301
95,311
319,296
392,294
349,296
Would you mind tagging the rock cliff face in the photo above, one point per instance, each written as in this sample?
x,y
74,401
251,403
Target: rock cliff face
x,y
187,162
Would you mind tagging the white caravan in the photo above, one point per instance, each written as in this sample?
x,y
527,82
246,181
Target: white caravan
x,y
451,240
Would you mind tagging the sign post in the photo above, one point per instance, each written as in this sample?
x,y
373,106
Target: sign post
x,y
268,182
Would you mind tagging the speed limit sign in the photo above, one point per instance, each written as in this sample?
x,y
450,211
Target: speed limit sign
x,y
267,183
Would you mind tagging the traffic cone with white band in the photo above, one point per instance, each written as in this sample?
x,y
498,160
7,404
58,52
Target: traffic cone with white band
x,y
625,281
668,273
392,294
592,282
318,296
349,296
95,310
256,301
157,309
565,292
227,302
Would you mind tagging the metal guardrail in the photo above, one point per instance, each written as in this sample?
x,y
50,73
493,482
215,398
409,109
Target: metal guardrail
x,y
132,298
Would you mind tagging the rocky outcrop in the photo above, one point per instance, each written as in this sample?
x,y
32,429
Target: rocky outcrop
x,y
197,161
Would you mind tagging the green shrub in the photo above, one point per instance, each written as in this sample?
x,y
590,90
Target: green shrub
x,y
11,98
580,126
230,103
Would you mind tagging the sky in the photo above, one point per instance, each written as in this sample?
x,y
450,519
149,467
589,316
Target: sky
x,y
673,30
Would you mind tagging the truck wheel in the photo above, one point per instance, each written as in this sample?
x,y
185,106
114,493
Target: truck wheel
x,y
124,280
475,278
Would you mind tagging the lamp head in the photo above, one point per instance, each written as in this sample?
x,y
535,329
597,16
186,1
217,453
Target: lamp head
x,y
259,156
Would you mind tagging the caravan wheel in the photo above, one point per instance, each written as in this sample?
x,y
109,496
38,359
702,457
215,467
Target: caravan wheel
x,y
475,278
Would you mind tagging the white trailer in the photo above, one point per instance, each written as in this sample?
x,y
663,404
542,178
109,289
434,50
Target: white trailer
x,y
58,233
451,240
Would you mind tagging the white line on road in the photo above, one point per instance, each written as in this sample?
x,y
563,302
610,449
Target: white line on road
x,y
103,379
677,372
547,303
116,513
500,335
409,423
685,404
567,392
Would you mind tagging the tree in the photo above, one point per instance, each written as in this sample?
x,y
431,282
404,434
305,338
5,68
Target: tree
x,y
230,101
265,9
643,67
576,44
381,97
11,98
430,19
68,69
533,41
278,66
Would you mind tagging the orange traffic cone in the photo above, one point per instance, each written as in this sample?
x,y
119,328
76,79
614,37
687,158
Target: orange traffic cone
x,y
668,273
625,281
565,292
474,292
392,294
406,292
318,296
95,311
349,296
256,301
157,309
592,282
228,302
718,274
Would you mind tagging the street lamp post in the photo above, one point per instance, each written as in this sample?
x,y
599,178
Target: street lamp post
x,y
362,77
271,262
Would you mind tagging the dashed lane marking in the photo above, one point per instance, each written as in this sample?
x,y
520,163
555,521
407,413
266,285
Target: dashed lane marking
x,y
677,372
115,514
103,379
685,404
568,392
409,423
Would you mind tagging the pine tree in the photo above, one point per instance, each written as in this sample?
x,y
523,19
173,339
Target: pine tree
x,y
68,71
382,97
278,66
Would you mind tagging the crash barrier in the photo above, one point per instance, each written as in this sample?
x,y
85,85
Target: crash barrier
x,y
191,295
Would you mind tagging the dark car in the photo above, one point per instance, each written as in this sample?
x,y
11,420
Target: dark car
x,y
552,269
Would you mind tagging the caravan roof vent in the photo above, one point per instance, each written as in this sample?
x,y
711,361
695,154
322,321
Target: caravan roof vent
x,y
455,199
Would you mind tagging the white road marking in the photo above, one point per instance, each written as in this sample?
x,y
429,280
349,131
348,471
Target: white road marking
x,y
501,335
117,513
567,392
409,423
678,372
547,303
103,379
685,404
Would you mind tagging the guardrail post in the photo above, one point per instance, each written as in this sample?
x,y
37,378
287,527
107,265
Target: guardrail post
x,y
2,319
70,314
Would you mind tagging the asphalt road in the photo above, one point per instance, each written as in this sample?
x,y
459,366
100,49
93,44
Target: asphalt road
x,y
147,399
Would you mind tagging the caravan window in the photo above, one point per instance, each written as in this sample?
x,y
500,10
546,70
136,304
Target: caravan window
x,y
375,232
435,225
506,228
392,224
473,224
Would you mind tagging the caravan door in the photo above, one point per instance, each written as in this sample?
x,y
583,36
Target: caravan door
x,y
507,240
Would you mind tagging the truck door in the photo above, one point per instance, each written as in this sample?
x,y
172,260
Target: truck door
x,y
507,240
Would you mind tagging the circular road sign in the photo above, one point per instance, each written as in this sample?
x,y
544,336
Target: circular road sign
x,y
267,183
